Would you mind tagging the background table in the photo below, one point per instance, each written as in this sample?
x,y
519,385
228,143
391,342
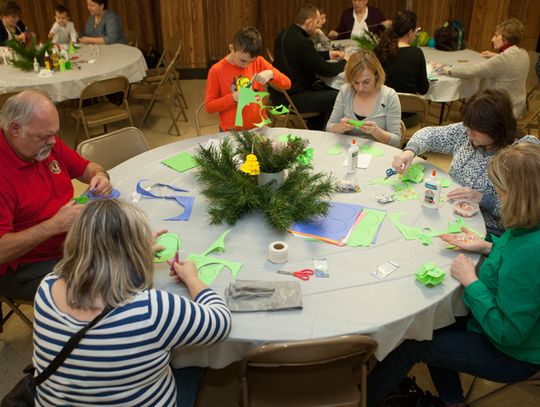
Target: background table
x,y
110,60
350,301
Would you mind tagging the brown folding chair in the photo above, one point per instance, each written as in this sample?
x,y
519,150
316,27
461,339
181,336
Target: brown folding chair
x,y
306,373
413,103
294,114
14,309
163,90
531,381
114,148
270,55
103,112
201,111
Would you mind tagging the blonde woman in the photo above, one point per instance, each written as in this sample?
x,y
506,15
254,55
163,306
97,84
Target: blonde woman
x,y
124,359
506,69
501,340
366,98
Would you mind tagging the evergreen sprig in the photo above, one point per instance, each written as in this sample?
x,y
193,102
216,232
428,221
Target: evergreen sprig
x,y
27,52
367,40
232,194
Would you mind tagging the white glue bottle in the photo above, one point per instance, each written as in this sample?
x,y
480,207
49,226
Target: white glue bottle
x,y
352,157
432,191
36,65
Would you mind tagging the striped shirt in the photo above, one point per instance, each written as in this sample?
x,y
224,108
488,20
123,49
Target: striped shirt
x,y
124,359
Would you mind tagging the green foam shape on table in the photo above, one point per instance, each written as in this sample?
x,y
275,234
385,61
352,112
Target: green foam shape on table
x,y
171,242
218,245
368,148
408,232
181,162
445,182
455,227
306,157
430,274
415,173
210,267
356,123
365,231
81,200
335,150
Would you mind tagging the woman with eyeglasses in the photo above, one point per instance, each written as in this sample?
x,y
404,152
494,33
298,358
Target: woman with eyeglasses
x,y
405,66
501,340
487,126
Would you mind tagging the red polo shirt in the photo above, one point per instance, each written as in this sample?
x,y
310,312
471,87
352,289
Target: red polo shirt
x,y
33,191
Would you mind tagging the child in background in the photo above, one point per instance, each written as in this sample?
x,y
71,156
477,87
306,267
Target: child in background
x,y
63,30
243,67
320,40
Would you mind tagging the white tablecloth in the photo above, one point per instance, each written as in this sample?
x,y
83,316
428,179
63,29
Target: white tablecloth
x,y
109,60
445,88
350,301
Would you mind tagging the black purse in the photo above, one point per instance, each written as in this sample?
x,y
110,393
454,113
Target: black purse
x,y
24,392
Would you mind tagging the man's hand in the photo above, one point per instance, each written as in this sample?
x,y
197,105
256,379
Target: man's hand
x,y
488,54
333,34
65,217
403,161
334,54
264,77
100,184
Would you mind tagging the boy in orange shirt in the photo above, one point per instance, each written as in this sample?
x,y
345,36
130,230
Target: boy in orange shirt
x,y
242,67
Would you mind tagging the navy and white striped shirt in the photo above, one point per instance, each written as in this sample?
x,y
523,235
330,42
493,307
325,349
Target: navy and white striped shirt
x,y
124,359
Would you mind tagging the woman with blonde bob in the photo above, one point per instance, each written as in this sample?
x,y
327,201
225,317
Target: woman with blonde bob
x,y
124,359
501,341
366,98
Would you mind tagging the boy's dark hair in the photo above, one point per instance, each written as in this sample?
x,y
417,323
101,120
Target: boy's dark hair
x,y
490,112
10,8
248,40
61,9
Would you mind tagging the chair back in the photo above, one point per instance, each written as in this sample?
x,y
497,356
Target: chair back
x,y
403,132
13,306
412,103
114,148
131,38
171,47
270,55
201,112
325,358
293,110
104,87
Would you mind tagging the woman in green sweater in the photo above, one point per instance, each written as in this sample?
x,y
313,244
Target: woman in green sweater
x,y
501,341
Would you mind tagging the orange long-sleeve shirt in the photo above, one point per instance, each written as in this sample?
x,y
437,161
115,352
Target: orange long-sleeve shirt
x,y
225,78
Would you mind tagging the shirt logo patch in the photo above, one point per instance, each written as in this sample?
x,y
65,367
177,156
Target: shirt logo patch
x,y
55,167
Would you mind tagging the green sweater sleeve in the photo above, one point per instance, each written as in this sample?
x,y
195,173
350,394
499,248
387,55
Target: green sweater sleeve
x,y
506,300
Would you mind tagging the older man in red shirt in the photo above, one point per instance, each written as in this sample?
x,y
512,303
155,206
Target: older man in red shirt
x,y
36,206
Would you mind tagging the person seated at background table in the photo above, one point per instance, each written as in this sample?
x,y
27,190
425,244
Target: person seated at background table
x,y
487,126
36,206
358,19
63,31
507,69
405,66
365,97
501,341
296,56
321,41
12,26
103,26
109,263
243,67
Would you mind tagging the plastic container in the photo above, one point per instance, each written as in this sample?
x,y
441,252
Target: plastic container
x,y
352,157
432,191
466,209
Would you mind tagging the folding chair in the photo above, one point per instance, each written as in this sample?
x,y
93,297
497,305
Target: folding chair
x,y
412,103
103,112
307,373
270,55
172,46
200,109
299,117
13,309
163,90
403,132
531,381
114,148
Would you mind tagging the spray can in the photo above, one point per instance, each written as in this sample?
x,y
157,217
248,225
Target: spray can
x,y
432,191
352,157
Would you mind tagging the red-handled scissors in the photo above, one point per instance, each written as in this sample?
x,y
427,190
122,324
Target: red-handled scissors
x,y
303,274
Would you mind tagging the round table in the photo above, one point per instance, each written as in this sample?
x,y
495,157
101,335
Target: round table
x,y
351,300
94,62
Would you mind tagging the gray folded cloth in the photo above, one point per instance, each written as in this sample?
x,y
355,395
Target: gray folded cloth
x,y
252,295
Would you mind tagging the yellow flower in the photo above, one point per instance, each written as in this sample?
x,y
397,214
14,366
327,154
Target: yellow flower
x,y
251,165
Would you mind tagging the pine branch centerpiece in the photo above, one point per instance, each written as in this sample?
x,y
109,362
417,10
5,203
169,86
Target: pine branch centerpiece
x,y
367,41
233,193
26,51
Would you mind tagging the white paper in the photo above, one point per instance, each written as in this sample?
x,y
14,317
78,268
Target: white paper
x,y
363,161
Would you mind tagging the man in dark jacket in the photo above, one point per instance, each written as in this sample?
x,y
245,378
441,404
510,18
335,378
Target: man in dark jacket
x,y
296,57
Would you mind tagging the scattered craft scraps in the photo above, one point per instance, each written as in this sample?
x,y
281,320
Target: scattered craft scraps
x,y
415,173
185,202
369,148
335,150
430,274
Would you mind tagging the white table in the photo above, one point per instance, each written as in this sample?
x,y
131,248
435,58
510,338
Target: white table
x,y
350,301
109,60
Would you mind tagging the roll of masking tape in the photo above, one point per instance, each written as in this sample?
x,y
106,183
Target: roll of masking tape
x,y
278,252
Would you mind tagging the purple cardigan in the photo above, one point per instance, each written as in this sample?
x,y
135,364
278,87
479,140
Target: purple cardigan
x,y
375,16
